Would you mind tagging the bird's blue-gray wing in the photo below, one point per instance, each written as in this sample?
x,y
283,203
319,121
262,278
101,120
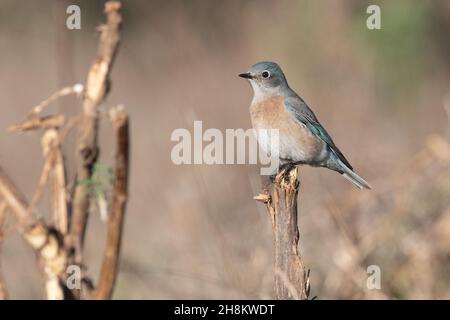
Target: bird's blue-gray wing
x,y
302,113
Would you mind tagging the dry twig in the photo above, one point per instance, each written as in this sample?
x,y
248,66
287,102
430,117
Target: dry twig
x,y
35,122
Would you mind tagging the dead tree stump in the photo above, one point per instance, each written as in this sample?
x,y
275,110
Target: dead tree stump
x,y
291,278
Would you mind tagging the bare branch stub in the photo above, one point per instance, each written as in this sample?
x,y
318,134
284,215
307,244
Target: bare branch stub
x,y
97,86
110,264
291,278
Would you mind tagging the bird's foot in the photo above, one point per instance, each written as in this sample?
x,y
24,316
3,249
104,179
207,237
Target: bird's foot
x,y
284,172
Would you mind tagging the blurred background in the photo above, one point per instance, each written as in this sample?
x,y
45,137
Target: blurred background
x,y
194,231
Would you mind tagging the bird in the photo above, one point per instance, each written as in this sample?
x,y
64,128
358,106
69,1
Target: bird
x,y
302,139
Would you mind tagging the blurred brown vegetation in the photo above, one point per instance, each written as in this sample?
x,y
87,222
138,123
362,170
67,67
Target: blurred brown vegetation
x,y
194,231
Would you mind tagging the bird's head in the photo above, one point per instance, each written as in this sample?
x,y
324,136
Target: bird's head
x,y
266,78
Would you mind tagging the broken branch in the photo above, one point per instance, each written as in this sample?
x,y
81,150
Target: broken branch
x,y
116,214
291,278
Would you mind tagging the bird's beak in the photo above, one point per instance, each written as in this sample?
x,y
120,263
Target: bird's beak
x,y
246,75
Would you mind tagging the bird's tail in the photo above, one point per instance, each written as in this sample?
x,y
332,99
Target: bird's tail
x,y
354,178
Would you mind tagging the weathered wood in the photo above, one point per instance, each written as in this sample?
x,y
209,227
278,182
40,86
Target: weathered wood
x,y
110,265
97,86
291,278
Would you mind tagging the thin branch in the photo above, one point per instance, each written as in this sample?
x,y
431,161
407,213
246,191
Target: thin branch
x,y
34,123
43,180
75,89
71,123
116,215
15,201
97,86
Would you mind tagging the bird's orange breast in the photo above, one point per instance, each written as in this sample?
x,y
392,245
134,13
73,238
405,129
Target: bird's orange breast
x,y
297,141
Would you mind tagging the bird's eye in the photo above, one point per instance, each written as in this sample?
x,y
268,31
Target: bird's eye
x,y
265,74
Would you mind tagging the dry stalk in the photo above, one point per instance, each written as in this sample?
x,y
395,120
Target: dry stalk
x,y
51,147
75,89
97,86
44,240
116,214
55,242
35,122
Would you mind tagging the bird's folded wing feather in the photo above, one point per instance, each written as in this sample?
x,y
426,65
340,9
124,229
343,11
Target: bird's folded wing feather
x,y
301,112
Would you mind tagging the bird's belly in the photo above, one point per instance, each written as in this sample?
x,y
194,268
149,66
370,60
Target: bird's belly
x,y
302,146
296,142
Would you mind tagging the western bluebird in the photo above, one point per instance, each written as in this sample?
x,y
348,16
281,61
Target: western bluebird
x,y
302,139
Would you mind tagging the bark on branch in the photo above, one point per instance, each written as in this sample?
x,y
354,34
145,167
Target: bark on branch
x,y
97,86
110,265
291,278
